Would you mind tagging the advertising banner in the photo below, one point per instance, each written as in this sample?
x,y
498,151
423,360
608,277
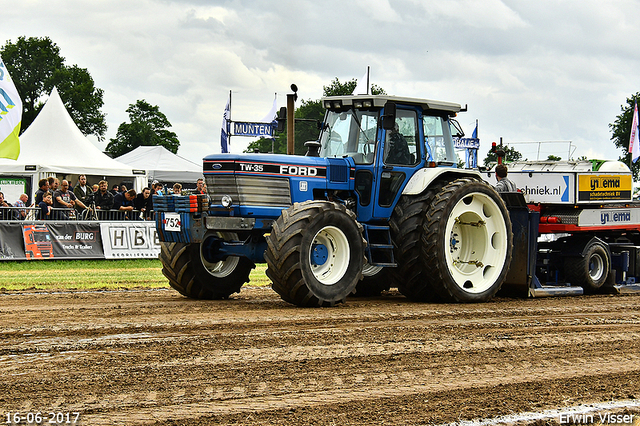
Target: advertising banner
x,y
69,240
36,241
593,187
127,240
78,240
11,242
252,129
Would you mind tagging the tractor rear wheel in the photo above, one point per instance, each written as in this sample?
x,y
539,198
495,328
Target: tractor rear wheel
x,y
406,226
315,253
193,276
467,241
589,271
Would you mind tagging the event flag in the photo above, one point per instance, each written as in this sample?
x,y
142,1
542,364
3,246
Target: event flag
x,y
224,133
634,143
10,116
273,112
474,135
362,88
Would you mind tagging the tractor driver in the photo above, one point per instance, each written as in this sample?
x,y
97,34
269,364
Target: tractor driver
x,y
397,148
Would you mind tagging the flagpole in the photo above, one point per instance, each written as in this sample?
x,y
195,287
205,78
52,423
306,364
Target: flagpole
x,y
229,125
368,79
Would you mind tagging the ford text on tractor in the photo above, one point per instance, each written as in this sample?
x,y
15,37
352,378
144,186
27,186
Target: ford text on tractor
x,y
377,201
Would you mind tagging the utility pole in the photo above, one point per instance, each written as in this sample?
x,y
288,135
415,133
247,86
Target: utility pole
x,y
291,99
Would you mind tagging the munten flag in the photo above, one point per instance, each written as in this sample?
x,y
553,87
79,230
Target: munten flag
x,y
10,116
634,144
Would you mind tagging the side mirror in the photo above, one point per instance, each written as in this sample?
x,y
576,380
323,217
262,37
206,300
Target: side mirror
x,y
389,117
281,119
456,129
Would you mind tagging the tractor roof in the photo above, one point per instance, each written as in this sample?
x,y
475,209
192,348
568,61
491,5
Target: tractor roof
x,y
337,102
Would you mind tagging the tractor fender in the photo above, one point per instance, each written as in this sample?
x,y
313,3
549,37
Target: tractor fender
x,y
423,178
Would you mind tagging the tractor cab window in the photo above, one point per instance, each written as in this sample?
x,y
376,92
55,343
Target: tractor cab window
x,y
437,138
401,143
350,133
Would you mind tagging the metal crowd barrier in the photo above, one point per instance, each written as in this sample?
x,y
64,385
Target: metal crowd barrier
x,y
68,214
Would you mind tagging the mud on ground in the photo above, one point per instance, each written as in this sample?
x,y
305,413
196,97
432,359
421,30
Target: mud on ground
x,y
154,357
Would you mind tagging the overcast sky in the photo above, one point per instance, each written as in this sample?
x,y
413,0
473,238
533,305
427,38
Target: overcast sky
x,y
529,71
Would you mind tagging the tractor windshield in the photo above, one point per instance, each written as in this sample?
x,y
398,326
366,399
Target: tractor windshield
x,y
350,133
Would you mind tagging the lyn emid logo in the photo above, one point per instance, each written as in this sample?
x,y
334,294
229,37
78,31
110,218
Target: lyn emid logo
x,y
615,217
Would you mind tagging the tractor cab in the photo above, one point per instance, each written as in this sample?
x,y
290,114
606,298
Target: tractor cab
x,y
388,138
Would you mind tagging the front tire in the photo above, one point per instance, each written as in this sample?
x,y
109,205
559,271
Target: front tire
x,y
467,241
315,253
193,276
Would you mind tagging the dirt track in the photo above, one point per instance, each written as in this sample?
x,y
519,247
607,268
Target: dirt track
x,y
154,357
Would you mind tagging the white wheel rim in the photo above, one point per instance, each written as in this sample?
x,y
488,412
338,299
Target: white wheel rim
x,y
476,248
337,262
370,270
596,267
225,267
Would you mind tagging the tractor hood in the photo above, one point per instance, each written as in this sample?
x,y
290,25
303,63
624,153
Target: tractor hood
x,y
268,165
273,180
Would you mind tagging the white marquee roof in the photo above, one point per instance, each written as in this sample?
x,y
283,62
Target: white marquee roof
x,y
53,143
162,165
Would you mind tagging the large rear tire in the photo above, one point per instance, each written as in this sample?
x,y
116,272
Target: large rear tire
x,y
315,253
467,241
589,271
193,276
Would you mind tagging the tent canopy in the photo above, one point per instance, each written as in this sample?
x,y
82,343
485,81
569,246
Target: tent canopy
x,y
54,144
162,165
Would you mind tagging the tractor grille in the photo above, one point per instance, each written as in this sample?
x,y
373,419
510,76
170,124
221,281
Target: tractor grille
x,y
338,171
250,190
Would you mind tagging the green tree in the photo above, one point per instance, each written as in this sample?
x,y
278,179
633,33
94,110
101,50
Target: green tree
x,y
309,110
36,66
148,127
621,133
552,157
510,154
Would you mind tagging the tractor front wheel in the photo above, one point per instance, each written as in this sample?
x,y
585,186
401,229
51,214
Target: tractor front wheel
x,y
315,253
188,272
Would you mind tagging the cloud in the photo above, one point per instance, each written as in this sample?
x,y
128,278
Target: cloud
x,y
543,70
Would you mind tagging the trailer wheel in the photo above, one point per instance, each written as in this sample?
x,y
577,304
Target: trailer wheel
x,y
589,271
375,280
406,225
315,253
467,241
193,276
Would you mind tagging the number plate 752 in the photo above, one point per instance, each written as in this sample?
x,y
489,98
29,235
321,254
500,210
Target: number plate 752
x,y
172,221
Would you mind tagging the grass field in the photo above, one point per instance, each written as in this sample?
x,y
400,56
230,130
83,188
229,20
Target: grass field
x,y
92,274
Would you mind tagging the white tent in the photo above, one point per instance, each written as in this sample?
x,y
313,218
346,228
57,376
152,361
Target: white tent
x,y
53,145
162,165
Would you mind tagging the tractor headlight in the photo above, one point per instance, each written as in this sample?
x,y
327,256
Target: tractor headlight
x,y
227,201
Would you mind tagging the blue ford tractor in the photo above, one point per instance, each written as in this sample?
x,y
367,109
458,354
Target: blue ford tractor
x,y
377,202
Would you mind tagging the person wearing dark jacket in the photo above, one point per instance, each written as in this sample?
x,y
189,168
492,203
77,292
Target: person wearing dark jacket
x,y
143,203
103,198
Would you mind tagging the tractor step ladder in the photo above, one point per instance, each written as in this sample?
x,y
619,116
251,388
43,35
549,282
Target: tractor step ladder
x,y
379,249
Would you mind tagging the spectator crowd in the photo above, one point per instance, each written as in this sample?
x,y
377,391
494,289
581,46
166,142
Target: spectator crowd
x,y
55,199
